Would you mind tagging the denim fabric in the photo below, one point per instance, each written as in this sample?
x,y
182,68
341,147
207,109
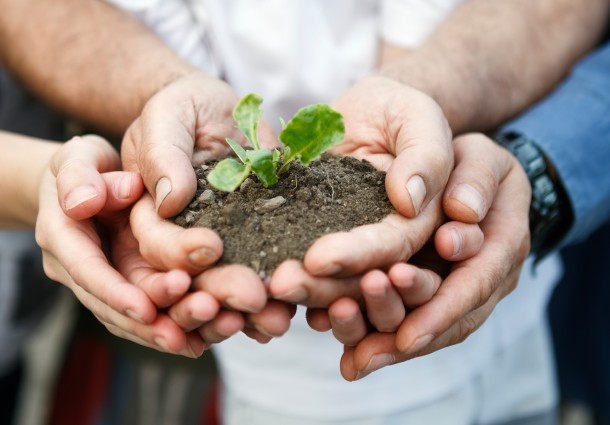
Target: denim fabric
x,y
572,126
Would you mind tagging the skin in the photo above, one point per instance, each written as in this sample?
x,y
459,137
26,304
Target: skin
x,y
480,189
72,48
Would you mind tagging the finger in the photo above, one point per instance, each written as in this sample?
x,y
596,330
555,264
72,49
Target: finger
x,y
159,146
373,352
192,250
480,166
424,158
472,282
163,288
378,350
318,319
378,245
81,264
223,326
78,166
455,241
234,286
385,309
162,333
290,282
347,321
194,310
123,189
254,334
154,336
274,320
414,285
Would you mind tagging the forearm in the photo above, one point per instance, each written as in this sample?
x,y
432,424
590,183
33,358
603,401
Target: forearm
x,y
22,163
491,59
573,129
85,58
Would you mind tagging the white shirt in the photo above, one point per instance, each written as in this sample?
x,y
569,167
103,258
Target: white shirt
x,y
292,53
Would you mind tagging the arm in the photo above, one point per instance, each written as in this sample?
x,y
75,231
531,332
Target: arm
x,y
490,60
571,126
90,51
23,160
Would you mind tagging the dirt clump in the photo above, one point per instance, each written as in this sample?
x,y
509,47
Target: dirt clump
x,y
261,227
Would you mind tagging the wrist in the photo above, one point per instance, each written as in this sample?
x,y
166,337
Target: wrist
x,y
551,212
423,71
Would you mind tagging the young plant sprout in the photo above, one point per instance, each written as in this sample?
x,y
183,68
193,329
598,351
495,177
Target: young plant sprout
x,y
312,131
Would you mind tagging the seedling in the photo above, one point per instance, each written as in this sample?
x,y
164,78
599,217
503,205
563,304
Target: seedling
x,y
312,131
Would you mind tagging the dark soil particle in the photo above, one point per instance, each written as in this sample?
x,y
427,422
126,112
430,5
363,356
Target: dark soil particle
x,y
261,227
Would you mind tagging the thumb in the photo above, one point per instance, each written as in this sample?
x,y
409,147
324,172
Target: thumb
x,y
423,158
77,166
480,167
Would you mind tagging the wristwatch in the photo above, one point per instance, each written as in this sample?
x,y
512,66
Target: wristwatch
x,y
550,213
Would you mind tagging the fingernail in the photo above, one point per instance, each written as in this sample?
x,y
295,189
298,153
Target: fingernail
x,y
122,188
196,348
328,270
161,342
417,191
470,197
238,305
361,374
420,343
203,257
135,316
79,195
295,296
264,331
378,361
458,242
163,188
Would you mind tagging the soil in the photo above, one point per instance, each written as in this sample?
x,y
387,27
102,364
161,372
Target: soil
x,y
261,227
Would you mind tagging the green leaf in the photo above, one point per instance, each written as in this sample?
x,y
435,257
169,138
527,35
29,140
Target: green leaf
x,y
228,174
247,114
263,166
311,132
276,157
237,148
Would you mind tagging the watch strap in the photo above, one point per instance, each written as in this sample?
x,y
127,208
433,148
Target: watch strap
x,y
550,212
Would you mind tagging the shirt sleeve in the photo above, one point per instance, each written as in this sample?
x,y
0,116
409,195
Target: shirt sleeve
x,y
407,23
572,126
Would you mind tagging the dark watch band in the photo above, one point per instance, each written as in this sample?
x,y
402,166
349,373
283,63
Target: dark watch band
x,y
550,210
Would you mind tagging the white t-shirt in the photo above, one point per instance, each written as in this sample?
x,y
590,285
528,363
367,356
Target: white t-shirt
x,y
292,53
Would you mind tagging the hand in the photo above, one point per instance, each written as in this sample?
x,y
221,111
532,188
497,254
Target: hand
x,y
71,191
399,130
388,297
126,299
184,124
487,185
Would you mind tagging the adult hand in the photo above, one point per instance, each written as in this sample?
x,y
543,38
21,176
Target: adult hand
x,y
78,186
73,189
182,125
399,130
488,185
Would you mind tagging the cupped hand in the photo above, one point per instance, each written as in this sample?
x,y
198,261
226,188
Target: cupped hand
x,y
79,183
184,123
489,185
84,208
399,130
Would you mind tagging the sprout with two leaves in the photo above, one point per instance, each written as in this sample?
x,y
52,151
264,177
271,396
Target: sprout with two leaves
x,y
312,131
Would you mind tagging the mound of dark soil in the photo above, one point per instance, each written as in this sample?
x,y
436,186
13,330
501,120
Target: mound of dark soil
x,y
261,227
